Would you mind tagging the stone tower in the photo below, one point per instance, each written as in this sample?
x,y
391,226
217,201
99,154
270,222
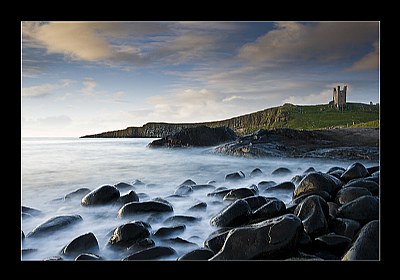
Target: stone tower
x,y
339,98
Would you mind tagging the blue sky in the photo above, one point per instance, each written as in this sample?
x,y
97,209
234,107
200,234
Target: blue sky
x,y
82,78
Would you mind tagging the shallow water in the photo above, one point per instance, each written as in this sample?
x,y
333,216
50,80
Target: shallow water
x,y
54,167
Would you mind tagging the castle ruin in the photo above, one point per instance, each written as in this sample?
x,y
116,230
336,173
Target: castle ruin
x,y
339,98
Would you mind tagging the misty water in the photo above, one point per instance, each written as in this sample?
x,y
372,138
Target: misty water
x,y
54,167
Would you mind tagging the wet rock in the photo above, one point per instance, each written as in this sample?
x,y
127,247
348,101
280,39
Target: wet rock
x,y
333,207
79,193
256,172
235,214
254,189
334,243
179,241
313,212
203,187
284,186
198,207
167,231
355,170
140,245
152,253
219,193
348,194
188,182
87,257
129,197
334,169
216,240
297,179
86,243
265,240
362,209
326,196
271,209
337,173
183,190
31,211
366,246
239,194
122,185
235,176
128,234
373,169
197,255
281,171
138,183
370,185
54,224
181,219
256,201
317,181
102,195
143,207
266,184
162,200
346,227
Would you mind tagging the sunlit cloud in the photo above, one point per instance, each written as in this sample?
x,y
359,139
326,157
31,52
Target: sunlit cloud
x,y
44,89
368,62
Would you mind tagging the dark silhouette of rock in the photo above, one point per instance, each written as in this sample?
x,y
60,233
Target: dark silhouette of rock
x,y
128,234
54,224
129,197
198,207
366,246
332,242
152,253
346,227
168,231
79,193
264,240
370,185
235,214
143,207
355,170
188,182
102,195
362,209
348,194
257,201
273,208
88,257
216,239
122,185
317,181
239,194
256,172
284,186
200,254
31,211
281,171
86,243
183,190
177,219
234,176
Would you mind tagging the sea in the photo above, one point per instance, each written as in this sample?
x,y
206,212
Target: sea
x,y
54,167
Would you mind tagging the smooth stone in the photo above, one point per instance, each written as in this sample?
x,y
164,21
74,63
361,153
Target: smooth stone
x,y
281,171
138,183
239,194
348,194
102,195
346,227
269,210
87,257
373,169
323,194
181,219
256,172
235,176
31,211
333,207
362,209
129,197
200,254
317,181
128,234
152,253
370,185
332,242
203,187
355,170
167,231
188,182
284,186
79,193
215,241
219,193
86,243
266,184
198,207
256,201
143,207
235,214
123,185
54,224
183,190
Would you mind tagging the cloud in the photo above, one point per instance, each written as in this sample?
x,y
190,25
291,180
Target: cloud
x,y
323,41
368,62
324,97
89,85
44,89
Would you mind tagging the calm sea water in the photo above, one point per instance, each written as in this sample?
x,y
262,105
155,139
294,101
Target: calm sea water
x,y
54,167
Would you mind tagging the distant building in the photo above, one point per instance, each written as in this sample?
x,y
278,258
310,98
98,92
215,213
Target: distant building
x,y
339,98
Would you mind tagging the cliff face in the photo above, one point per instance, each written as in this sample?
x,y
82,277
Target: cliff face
x,y
269,118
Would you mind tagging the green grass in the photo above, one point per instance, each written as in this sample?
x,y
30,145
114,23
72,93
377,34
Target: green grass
x,y
324,116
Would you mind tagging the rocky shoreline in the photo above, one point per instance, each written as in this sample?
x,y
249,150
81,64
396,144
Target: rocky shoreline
x,y
332,215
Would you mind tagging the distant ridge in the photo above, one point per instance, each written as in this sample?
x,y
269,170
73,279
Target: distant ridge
x,y
287,115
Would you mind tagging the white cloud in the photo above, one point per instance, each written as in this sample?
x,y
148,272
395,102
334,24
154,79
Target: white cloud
x,y
89,84
44,89
320,41
368,62
324,97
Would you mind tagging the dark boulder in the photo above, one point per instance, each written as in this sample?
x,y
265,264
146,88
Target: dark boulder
x,y
281,171
123,186
370,185
54,224
373,169
269,239
129,197
177,219
216,239
200,254
313,212
153,253
132,208
256,172
239,194
337,173
199,136
326,196
86,243
273,208
366,246
333,207
256,201
198,207
309,170
234,176
235,214
202,187
87,257
334,169
128,234
79,193
168,231
348,194
297,179
101,196
140,245
263,185
317,181
284,186
355,170
362,209
219,193
188,182
346,227
334,243
183,190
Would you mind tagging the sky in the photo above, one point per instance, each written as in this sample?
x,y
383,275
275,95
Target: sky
x,y
80,78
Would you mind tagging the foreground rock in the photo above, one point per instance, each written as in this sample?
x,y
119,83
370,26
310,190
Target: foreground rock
x,y
143,207
54,224
198,136
101,196
269,239
86,243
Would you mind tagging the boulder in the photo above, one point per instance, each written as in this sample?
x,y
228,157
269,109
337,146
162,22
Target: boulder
x,y
53,224
128,234
269,239
239,194
256,172
333,207
87,257
332,242
152,253
234,176
263,185
348,194
345,227
317,181
200,254
137,183
370,185
256,201
281,171
202,187
273,208
122,186
313,212
326,196
220,193
129,197
102,195
235,214
132,208
362,209
355,170
183,190
79,193
284,186
86,243
31,211
198,206
168,231
177,219
216,239
366,246
188,182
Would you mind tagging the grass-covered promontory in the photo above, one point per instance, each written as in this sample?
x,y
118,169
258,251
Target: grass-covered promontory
x,y
307,117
